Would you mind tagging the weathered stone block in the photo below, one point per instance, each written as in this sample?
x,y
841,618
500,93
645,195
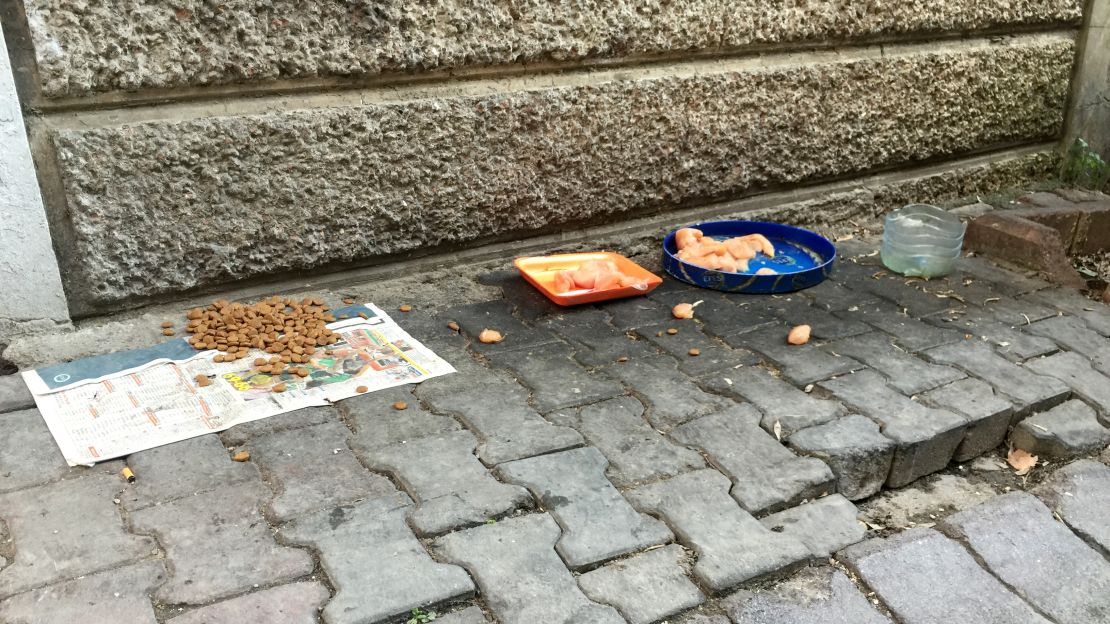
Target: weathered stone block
x,y
801,364
645,588
825,525
814,596
903,372
1068,430
554,378
779,401
14,394
1080,494
112,596
988,415
181,469
852,446
296,603
1076,371
1030,392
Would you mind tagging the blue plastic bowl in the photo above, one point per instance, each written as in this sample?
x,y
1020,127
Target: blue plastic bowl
x,y
802,259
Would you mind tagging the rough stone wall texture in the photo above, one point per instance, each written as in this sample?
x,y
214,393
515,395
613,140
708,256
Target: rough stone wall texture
x,y
85,47
246,195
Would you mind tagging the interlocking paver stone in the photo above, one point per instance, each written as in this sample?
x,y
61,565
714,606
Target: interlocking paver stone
x,y
582,325
803,364
907,296
28,453
713,356
1029,391
1076,371
1068,430
377,423
903,371
498,315
767,476
635,451
988,415
794,309
926,578
314,469
182,469
831,295
598,523
66,529
451,487
297,419
779,401
518,573
111,597
858,454
1080,494
497,410
469,615
926,437
730,317
1006,282
296,603
645,588
1073,334
14,394
377,566
555,379
636,312
1016,312
824,525
1039,558
673,397
909,333
528,302
218,544
1096,316
732,546
1009,342
813,596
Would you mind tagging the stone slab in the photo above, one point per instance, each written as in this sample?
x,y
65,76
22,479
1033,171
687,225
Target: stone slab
x,y
598,523
379,569
1076,371
636,452
903,371
645,588
858,454
1030,392
824,525
295,603
1066,431
779,401
926,578
181,469
813,596
988,415
1079,493
767,477
109,597
732,546
519,575
1067,581
50,546
554,378
219,545
926,437
14,394
451,488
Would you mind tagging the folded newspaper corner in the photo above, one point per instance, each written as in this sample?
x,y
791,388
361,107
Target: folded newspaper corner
x,y
113,405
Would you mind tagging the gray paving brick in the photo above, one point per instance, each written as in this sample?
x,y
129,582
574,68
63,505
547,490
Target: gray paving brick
x,y
1068,300
804,364
66,529
824,525
903,371
635,451
173,471
701,618
1076,371
297,419
713,355
831,295
519,575
1068,430
14,394
766,475
1079,493
926,578
469,615
779,401
732,546
634,312
1069,582
218,545
1010,342
582,325
312,468
908,295
1019,311
111,597
295,603
988,415
673,398
555,379
1008,283
794,309
926,437
1030,392
28,454
814,596
858,454
909,333
377,423
497,410
597,523
452,489
645,588
496,314
377,566
732,316
1073,334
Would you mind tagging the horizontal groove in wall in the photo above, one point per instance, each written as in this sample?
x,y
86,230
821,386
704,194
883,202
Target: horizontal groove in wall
x,y
486,86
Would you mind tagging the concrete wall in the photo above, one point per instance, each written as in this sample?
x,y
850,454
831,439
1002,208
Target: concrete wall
x,y
186,146
1090,118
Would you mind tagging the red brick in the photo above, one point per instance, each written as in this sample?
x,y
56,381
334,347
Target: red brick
x,y
1008,237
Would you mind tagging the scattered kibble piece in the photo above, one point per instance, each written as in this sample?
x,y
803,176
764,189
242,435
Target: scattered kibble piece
x,y
683,311
167,332
490,336
694,352
363,315
218,359
203,381
361,389
279,388
167,324
672,331
453,326
348,301
622,359
405,308
241,456
301,372
400,405
799,335
344,316
259,362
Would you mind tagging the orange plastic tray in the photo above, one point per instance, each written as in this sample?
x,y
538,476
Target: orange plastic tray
x,y
540,272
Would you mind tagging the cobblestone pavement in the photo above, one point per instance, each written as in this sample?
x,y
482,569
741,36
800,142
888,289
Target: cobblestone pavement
x,y
589,470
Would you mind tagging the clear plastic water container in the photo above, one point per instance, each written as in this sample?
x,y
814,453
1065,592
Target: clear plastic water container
x,y
922,241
